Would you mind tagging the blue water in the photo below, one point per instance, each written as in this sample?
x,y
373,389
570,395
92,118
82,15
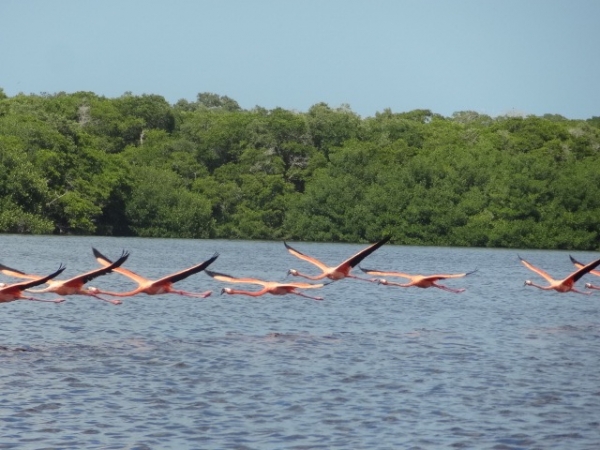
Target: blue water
x,y
500,366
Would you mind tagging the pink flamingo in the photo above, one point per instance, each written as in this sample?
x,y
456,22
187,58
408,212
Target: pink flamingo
x,y
593,272
12,292
72,286
338,272
564,285
269,287
163,285
420,281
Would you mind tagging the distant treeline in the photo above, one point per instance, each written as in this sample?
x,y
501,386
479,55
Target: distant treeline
x,y
138,166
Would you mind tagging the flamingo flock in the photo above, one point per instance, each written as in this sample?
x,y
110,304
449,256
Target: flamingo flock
x,y
328,275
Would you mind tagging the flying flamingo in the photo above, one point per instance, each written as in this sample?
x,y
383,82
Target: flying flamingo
x,y
163,285
12,292
72,286
593,272
335,272
420,281
269,287
564,285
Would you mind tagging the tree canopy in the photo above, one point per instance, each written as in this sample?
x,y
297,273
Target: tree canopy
x,y
138,166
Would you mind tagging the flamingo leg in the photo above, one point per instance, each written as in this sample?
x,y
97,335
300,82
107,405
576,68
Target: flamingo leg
x,y
306,296
33,299
391,283
580,292
114,301
191,294
446,288
360,278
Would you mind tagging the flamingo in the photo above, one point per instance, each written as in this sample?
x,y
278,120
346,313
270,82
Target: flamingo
x,y
72,286
420,281
269,287
12,292
564,285
593,272
163,285
335,272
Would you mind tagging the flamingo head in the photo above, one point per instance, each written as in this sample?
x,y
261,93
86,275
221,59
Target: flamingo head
x,y
527,283
116,302
381,281
226,291
588,285
93,290
2,285
293,272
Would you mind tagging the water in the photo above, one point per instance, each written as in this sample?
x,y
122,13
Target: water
x,y
500,366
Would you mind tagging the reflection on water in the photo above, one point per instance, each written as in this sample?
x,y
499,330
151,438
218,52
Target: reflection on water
x,y
500,366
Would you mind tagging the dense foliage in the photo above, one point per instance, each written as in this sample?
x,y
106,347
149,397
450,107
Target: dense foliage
x,y
139,166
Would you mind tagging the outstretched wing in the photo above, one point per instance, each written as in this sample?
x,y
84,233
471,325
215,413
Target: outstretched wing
x,y
306,258
537,270
229,279
580,265
104,261
178,276
88,276
301,285
380,273
441,276
17,273
357,258
29,284
585,269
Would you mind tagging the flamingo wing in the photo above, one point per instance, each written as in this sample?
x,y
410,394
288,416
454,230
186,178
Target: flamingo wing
x,y
300,285
577,264
230,279
178,276
306,258
446,276
585,269
16,273
41,280
537,270
380,273
358,257
89,276
104,261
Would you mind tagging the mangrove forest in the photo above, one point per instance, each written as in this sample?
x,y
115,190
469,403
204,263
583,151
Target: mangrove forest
x,y
84,164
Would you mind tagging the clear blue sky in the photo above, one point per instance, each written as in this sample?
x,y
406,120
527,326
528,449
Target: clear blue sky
x,y
493,57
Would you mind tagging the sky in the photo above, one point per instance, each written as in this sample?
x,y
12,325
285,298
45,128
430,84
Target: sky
x,y
524,57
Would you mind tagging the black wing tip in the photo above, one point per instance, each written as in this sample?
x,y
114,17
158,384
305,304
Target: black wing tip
x,y
123,257
3,267
574,261
212,274
364,269
60,270
97,254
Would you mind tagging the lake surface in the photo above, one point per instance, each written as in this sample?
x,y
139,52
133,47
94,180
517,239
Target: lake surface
x,y
500,366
